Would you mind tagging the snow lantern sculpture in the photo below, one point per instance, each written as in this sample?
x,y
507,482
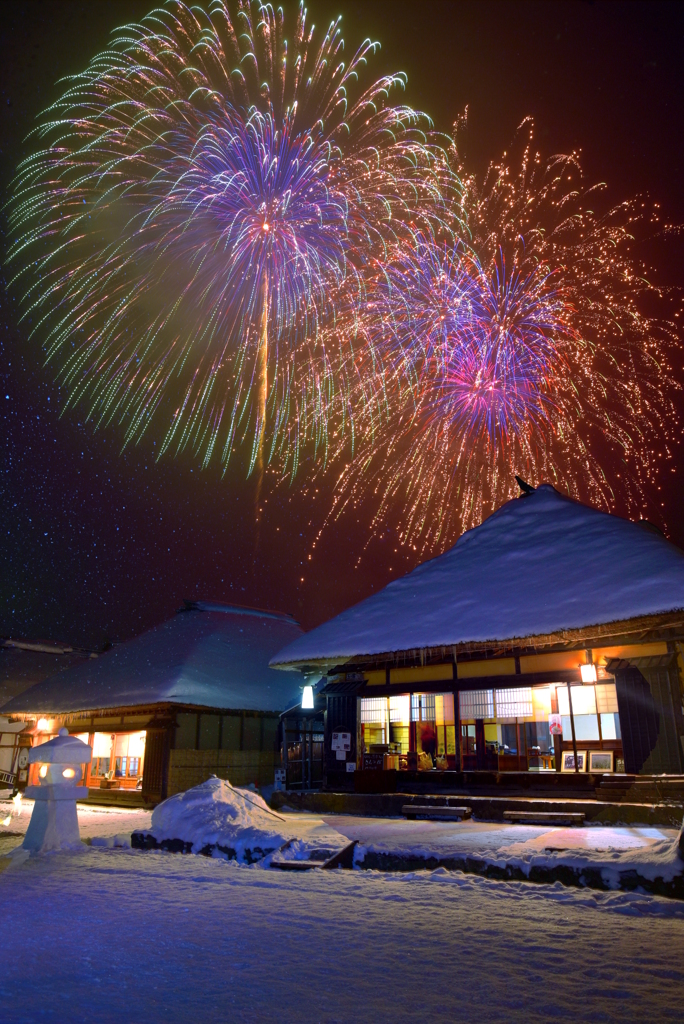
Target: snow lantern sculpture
x,y
54,822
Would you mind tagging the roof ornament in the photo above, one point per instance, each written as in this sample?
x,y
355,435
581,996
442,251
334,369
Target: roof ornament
x,y
524,487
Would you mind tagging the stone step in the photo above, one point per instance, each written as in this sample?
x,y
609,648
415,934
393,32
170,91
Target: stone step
x,y
545,817
435,811
483,808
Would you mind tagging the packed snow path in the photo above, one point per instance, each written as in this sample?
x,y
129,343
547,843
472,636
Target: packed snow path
x,y
112,935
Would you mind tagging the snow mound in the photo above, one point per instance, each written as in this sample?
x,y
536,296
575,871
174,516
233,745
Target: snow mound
x,y
217,817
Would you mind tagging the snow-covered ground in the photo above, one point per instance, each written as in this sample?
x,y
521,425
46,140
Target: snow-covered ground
x,y
117,935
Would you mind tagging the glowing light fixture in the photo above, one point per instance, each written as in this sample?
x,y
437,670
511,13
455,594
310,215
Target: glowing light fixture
x,y
68,773
308,697
43,770
43,725
588,673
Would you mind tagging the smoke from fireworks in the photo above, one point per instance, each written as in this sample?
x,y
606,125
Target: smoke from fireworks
x,y
515,344
202,192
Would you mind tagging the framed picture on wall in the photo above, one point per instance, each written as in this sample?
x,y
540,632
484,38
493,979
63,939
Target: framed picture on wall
x,y
568,761
600,760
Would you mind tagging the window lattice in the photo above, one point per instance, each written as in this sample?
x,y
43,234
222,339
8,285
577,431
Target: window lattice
x,y
422,707
515,703
606,698
373,710
476,704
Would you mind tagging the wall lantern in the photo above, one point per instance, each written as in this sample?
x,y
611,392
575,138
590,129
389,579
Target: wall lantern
x,y
588,673
43,725
308,698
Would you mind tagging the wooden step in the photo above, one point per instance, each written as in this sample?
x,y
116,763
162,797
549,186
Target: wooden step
x,y
545,817
344,858
412,811
297,865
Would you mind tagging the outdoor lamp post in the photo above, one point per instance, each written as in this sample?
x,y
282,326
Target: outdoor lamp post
x,y
54,822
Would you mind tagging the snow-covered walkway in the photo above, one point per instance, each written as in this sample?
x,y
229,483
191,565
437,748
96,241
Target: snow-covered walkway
x,y
611,849
117,935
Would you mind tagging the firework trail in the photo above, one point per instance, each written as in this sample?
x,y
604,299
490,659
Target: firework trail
x,y
517,343
201,194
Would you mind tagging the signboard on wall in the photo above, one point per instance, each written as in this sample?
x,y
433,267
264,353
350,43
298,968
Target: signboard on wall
x,y
341,741
373,762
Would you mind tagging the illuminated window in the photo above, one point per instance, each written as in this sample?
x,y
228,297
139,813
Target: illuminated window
x,y
374,710
515,703
400,709
476,704
606,698
583,712
99,767
422,707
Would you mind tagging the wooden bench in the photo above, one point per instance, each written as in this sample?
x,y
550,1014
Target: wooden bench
x,y
412,811
545,817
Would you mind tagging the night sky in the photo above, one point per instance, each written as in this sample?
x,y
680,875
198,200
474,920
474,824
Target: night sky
x,y
98,545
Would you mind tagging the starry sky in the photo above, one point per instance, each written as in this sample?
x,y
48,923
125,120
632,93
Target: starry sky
x,y
97,544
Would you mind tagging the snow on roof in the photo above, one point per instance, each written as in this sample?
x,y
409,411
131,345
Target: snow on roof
x,y
539,564
209,655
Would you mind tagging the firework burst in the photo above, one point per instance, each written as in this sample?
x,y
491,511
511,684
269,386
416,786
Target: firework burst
x,y
522,347
202,192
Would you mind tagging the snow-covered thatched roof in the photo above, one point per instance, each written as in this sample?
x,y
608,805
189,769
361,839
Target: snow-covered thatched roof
x,y
208,655
540,564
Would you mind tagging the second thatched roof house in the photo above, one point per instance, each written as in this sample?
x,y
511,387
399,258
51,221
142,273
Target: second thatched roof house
x,y
192,696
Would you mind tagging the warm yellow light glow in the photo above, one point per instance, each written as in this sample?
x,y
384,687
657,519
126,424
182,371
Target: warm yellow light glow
x,y
43,725
43,771
68,773
588,673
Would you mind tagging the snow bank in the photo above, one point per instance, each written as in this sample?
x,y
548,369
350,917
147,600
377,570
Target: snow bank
x,y
657,868
540,564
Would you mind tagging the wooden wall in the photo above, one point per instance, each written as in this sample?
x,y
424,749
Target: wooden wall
x,y
189,768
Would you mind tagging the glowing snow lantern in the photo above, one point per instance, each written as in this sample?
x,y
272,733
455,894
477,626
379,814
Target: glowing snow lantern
x,y
54,822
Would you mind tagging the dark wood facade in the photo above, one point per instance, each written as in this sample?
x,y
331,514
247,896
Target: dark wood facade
x,y
642,659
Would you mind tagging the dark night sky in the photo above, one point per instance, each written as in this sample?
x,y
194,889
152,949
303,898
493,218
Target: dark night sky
x,y
97,545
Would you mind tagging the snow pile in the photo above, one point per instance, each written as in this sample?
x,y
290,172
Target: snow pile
x,y
541,563
220,819
217,815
